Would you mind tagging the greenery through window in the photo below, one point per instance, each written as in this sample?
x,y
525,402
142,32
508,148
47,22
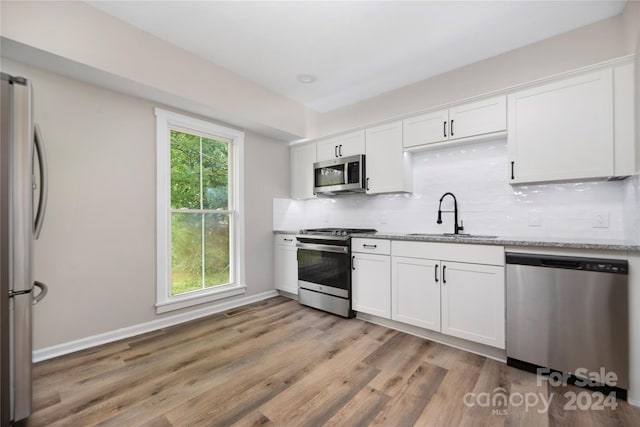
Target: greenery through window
x,y
201,214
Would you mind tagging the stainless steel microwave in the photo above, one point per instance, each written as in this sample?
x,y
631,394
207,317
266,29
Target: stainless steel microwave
x,y
340,176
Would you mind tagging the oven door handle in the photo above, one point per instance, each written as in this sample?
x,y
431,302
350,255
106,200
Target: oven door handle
x,y
323,248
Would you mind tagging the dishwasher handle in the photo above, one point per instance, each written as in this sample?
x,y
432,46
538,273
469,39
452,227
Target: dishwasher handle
x,y
561,263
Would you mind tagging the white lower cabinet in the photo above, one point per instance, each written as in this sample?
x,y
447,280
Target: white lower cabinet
x,y
371,284
461,299
286,269
415,292
473,302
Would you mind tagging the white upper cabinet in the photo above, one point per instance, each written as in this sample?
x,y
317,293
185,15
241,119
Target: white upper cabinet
x,y
389,169
478,118
351,144
464,121
327,149
426,128
573,128
346,145
302,159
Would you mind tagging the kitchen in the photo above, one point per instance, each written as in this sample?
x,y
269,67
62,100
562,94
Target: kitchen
x,y
91,228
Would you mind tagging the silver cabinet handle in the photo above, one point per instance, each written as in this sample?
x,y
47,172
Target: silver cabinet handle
x,y
369,246
435,272
444,278
44,289
353,262
288,240
44,182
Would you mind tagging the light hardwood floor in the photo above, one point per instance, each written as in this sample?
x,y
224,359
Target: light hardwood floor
x,y
276,363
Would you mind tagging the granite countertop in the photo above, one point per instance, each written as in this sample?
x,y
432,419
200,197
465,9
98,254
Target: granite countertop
x,y
564,243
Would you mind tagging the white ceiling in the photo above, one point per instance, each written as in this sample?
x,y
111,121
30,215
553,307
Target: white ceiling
x,y
355,49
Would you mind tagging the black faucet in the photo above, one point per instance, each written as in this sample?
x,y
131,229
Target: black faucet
x,y
456,228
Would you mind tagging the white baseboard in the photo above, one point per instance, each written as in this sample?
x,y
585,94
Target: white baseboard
x,y
142,328
459,343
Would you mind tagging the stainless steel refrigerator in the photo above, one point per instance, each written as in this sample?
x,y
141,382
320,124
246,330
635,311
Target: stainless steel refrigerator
x,y
23,199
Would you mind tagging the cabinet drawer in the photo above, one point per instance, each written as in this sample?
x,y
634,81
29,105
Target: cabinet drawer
x,y
476,254
286,239
371,246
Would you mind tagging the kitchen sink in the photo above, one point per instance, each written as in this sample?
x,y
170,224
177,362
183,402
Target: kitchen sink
x,y
460,235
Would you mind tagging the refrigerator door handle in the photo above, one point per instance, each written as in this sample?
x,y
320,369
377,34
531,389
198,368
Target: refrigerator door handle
x,y
43,292
44,181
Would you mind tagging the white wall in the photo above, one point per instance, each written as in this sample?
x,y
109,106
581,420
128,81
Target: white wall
x,y
477,175
73,38
97,248
582,47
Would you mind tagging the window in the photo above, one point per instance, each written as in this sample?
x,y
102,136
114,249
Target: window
x,y
199,211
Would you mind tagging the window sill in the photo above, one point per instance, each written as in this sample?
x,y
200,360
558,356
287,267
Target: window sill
x,y
217,293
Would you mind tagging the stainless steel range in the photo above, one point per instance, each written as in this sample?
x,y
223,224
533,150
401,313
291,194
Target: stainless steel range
x,y
324,268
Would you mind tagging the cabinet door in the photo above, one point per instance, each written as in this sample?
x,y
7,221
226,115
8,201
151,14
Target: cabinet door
x,y
426,128
415,292
388,167
351,144
473,302
287,269
478,118
302,159
562,130
327,149
371,284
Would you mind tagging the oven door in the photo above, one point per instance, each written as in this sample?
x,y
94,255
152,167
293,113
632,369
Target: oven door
x,y
324,268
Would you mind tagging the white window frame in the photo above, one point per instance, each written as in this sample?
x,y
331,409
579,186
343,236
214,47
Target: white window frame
x,y
165,122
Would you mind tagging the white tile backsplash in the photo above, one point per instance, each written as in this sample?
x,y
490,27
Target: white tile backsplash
x,y
477,175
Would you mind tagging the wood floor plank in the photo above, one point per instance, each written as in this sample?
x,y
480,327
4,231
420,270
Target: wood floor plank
x,y
294,401
449,357
398,358
534,411
566,410
361,409
405,408
160,421
492,380
277,363
252,386
193,378
254,419
446,406
330,399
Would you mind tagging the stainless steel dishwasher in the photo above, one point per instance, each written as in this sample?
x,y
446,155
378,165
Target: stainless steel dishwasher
x,y
567,313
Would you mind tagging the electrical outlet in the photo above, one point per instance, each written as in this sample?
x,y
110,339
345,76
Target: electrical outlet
x,y
383,219
600,219
535,218
326,217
